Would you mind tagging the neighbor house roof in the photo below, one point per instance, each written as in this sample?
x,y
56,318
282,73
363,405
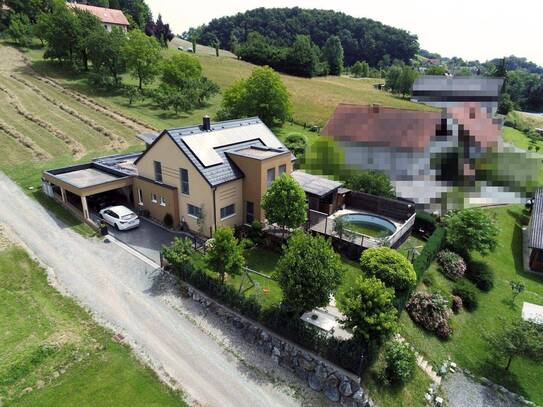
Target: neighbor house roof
x,y
208,149
429,88
536,222
383,126
315,185
106,15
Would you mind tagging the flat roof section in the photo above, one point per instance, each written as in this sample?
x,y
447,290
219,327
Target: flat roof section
x,y
315,185
87,177
259,153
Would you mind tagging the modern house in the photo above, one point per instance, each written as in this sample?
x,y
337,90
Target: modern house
x,y
535,233
202,176
108,16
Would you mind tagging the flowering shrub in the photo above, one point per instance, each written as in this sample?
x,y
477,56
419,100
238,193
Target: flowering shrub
x,y
451,265
431,311
400,362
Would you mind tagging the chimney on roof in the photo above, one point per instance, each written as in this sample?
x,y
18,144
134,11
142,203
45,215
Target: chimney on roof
x,y
206,123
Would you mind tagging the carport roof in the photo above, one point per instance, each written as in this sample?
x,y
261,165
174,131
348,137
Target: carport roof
x,y
315,185
87,177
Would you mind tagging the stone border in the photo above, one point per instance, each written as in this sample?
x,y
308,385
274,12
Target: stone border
x,y
321,376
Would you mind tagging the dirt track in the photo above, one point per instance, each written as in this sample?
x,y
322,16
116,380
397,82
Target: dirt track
x,y
119,290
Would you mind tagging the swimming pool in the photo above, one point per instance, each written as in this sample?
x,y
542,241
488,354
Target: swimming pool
x,y
369,225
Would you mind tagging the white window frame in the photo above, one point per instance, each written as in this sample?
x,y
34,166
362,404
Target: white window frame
x,y
228,216
153,198
190,214
163,201
140,197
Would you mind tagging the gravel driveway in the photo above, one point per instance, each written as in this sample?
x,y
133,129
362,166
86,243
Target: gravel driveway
x,y
119,290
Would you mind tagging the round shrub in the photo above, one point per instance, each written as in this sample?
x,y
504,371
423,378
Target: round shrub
x,y
468,293
296,143
389,266
431,311
451,265
400,362
481,275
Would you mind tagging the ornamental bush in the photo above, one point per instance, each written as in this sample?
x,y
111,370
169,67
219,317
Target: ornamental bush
x,y
481,275
431,311
467,291
451,265
389,266
400,362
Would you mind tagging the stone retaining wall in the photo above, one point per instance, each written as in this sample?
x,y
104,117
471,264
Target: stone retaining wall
x,y
320,375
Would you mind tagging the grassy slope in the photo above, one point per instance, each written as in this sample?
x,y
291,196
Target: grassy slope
x,y
42,332
518,138
313,99
467,345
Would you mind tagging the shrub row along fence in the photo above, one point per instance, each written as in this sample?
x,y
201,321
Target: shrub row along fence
x,y
428,254
348,354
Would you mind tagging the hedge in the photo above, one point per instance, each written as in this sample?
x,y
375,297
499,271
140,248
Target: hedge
x,y
429,252
344,353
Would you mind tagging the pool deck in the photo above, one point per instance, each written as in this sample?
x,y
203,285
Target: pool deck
x,y
326,227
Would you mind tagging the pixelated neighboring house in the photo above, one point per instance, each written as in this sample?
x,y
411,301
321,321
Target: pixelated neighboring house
x,y
108,16
404,142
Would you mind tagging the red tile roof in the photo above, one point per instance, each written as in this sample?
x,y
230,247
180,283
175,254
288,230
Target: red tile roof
x,y
383,126
106,15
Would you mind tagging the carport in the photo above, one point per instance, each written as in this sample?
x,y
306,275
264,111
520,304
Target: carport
x,y
86,188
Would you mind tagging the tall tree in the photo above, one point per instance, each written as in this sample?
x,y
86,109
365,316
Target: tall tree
x,y
106,51
301,58
180,68
285,203
87,24
308,272
20,30
225,254
333,54
368,309
471,230
263,94
143,57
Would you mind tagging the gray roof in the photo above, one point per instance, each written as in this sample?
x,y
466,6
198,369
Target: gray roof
x,y
457,88
536,222
225,170
315,185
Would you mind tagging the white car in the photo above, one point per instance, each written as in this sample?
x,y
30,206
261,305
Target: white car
x,y
120,217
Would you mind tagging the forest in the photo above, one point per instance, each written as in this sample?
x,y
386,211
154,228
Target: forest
x,y
361,38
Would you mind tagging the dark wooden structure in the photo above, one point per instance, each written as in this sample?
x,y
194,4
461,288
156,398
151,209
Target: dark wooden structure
x,y
535,242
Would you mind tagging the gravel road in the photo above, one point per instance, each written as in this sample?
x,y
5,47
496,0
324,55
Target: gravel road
x,y
118,289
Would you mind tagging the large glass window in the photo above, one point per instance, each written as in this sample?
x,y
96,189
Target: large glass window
x,y
271,176
228,211
184,175
140,197
158,171
194,211
282,169
249,212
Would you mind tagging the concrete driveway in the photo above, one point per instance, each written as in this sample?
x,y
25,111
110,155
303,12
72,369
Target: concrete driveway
x,y
125,294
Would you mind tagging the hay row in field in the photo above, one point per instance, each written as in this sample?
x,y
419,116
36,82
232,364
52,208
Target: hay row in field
x,y
133,123
75,147
37,151
116,142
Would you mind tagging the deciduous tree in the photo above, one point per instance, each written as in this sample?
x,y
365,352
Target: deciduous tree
x,y
20,30
285,203
333,54
389,266
225,254
308,272
471,229
142,55
368,309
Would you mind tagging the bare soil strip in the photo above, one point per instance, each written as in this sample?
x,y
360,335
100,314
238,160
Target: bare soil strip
x,y
37,152
75,147
116,142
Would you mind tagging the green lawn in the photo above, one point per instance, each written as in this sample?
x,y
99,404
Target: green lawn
x,y
467,346
50,344
519,139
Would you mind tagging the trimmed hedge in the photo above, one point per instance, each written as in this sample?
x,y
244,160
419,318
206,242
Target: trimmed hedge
x,y
429,252
344,353
467,291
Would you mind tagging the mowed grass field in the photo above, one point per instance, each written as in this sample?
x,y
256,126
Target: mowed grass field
x,y
52,353
467,345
